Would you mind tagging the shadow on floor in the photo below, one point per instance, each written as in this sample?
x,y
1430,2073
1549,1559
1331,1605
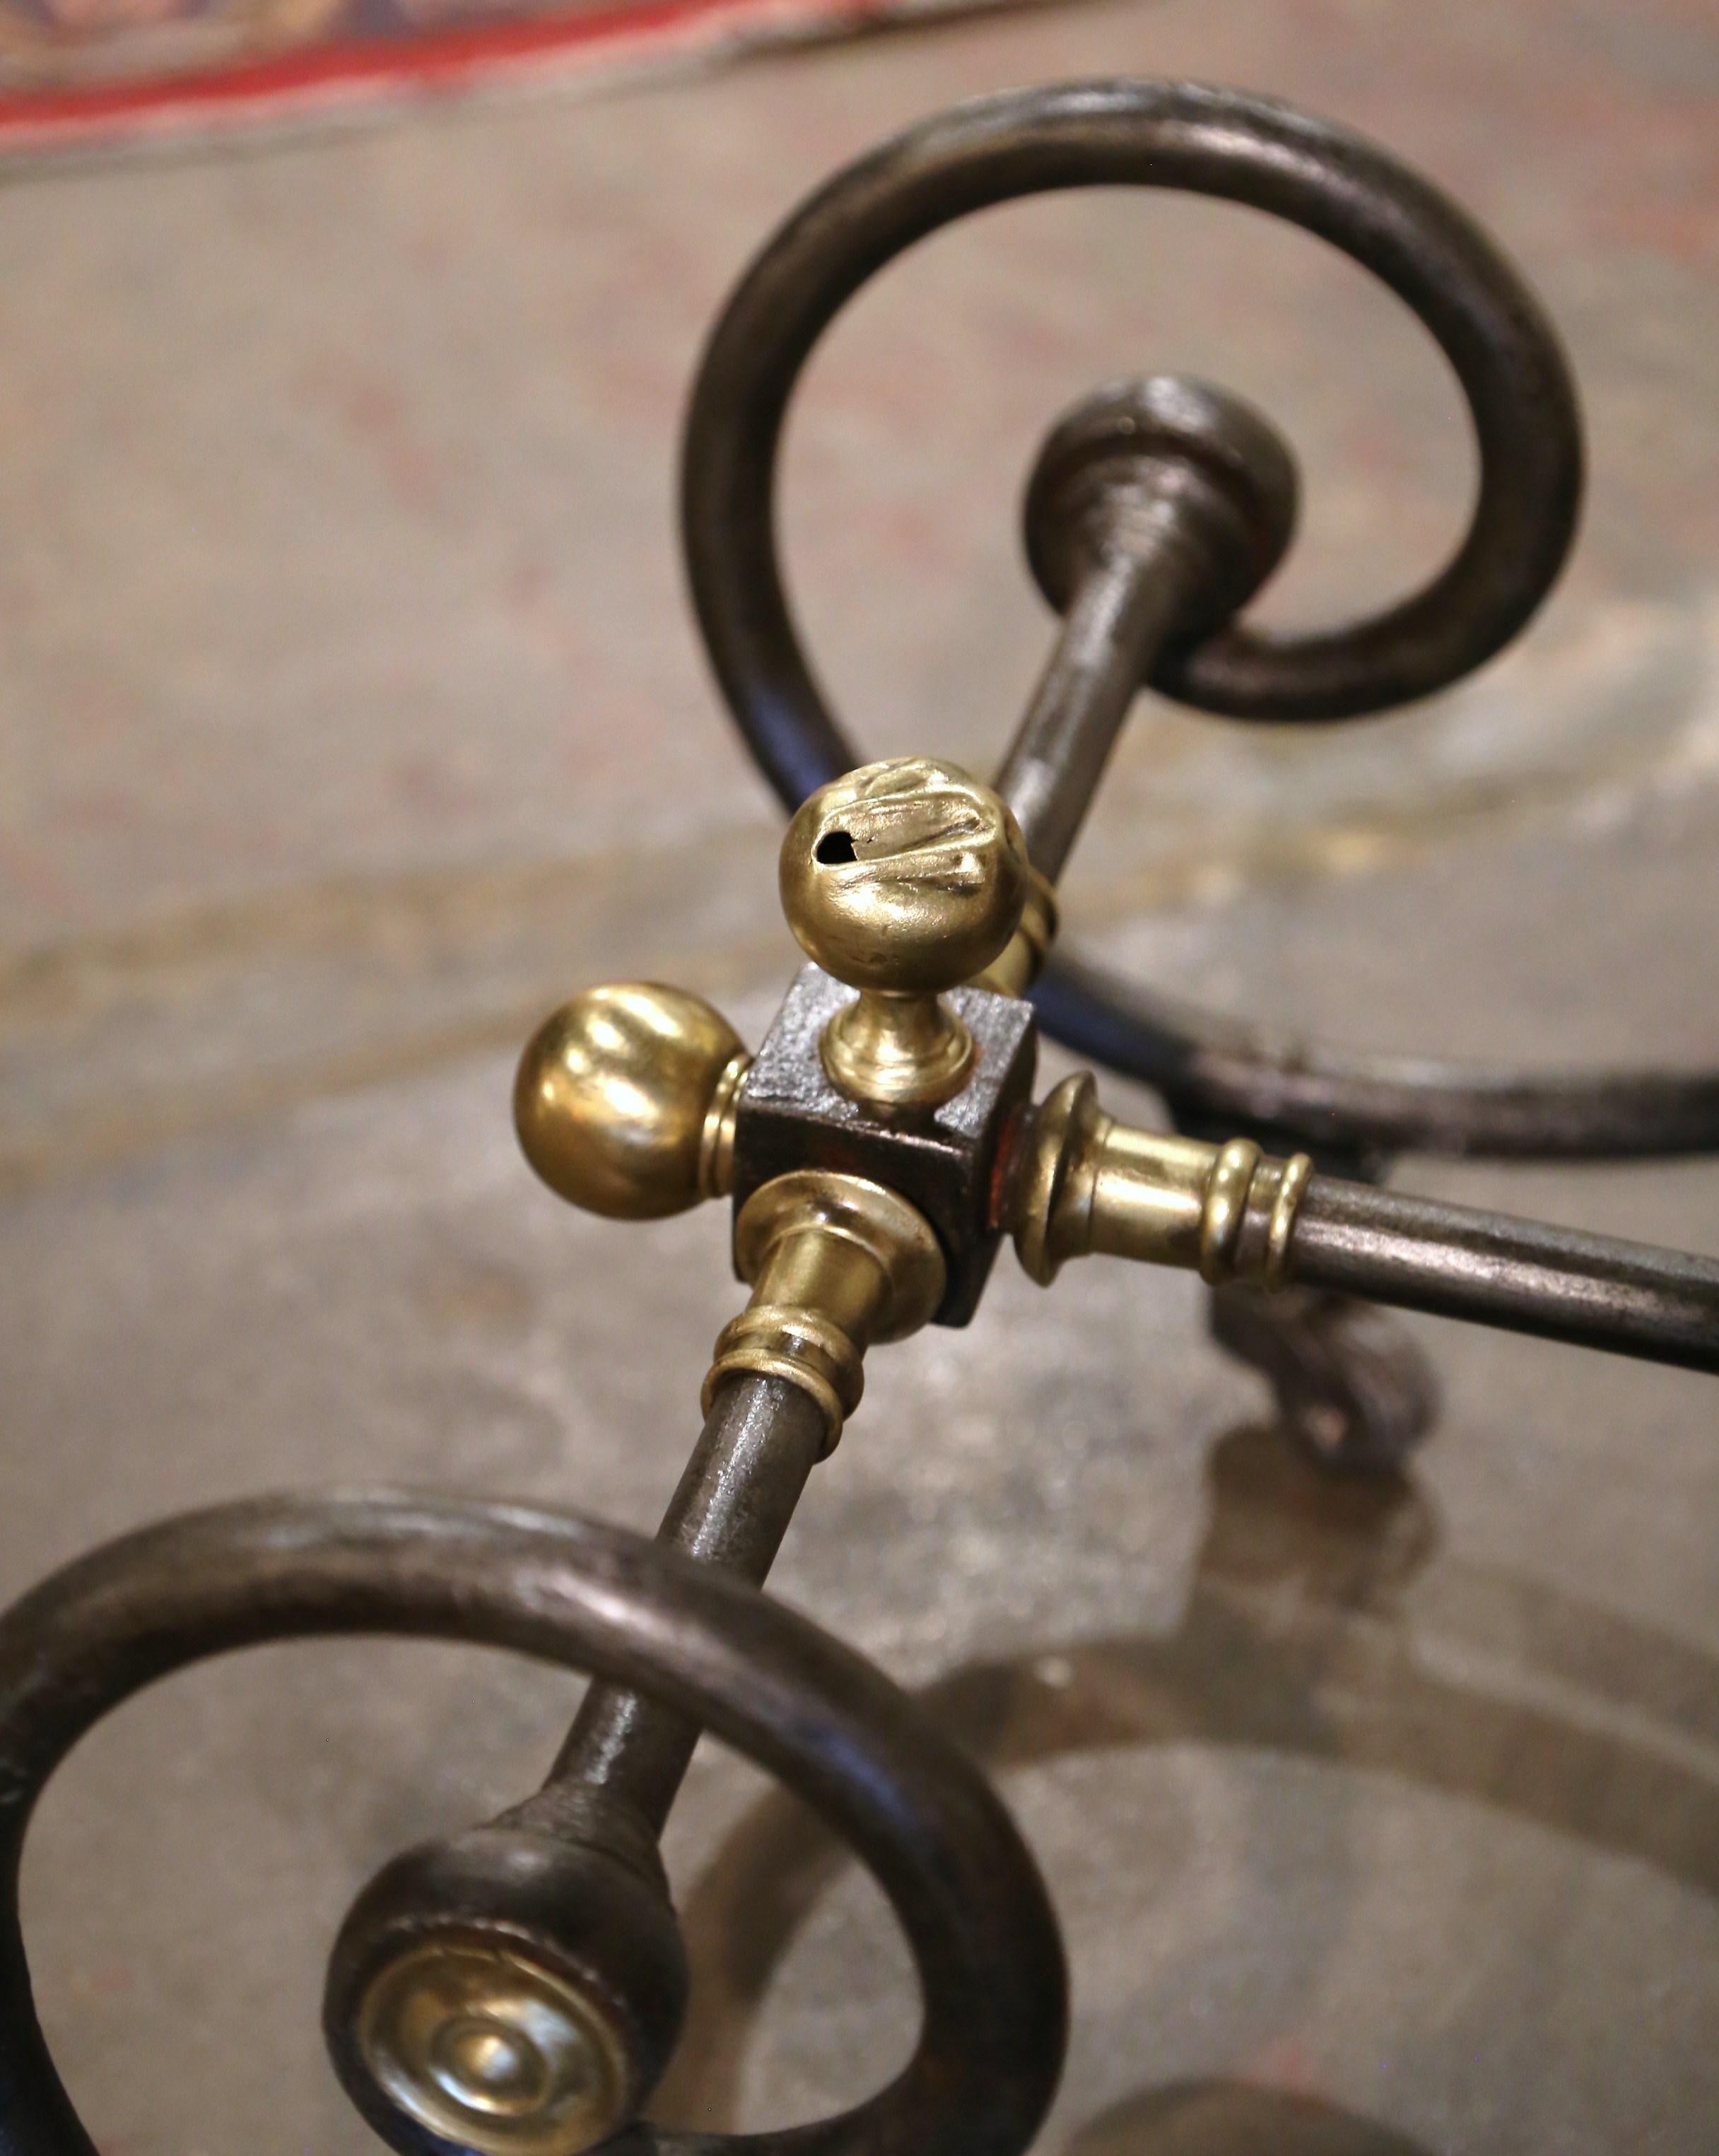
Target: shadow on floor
x,y
1230,2119
1315,1627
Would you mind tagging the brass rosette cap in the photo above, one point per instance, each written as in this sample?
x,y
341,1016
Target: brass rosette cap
x,y
512,1993
903,879
492,2050
625,1100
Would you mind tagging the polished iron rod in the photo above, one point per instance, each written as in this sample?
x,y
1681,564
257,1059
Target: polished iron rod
x,y
1156,509
760,1443
1081,1183
1124,609
1556,1283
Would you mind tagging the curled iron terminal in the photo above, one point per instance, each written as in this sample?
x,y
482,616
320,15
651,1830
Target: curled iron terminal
x,y
1183,136
1513,372
590,1598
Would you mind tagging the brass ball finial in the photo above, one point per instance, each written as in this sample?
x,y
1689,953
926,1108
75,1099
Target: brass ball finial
x,y
624,1100
908,875
902,879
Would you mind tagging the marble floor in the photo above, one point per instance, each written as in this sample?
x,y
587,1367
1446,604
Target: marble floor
x,y
351,714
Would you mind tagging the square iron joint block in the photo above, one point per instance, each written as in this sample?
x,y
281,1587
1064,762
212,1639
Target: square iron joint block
x,y
943,1160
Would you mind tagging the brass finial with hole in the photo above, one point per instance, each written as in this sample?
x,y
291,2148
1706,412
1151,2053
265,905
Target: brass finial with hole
x,y
903,879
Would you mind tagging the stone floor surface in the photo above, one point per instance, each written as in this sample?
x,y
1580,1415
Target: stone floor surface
x,y
351,714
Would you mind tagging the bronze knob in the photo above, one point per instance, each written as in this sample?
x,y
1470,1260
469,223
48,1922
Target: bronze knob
x,y
624,1100
902,879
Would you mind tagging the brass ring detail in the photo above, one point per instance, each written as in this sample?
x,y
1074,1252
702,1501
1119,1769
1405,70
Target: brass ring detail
x,y
1297,1171
786,1340
1226,1206
716,1144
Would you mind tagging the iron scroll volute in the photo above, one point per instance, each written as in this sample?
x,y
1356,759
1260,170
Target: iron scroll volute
x,y
595,1598
1507,359
1221,142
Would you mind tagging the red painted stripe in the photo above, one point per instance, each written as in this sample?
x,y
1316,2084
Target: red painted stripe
x,y
437,60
